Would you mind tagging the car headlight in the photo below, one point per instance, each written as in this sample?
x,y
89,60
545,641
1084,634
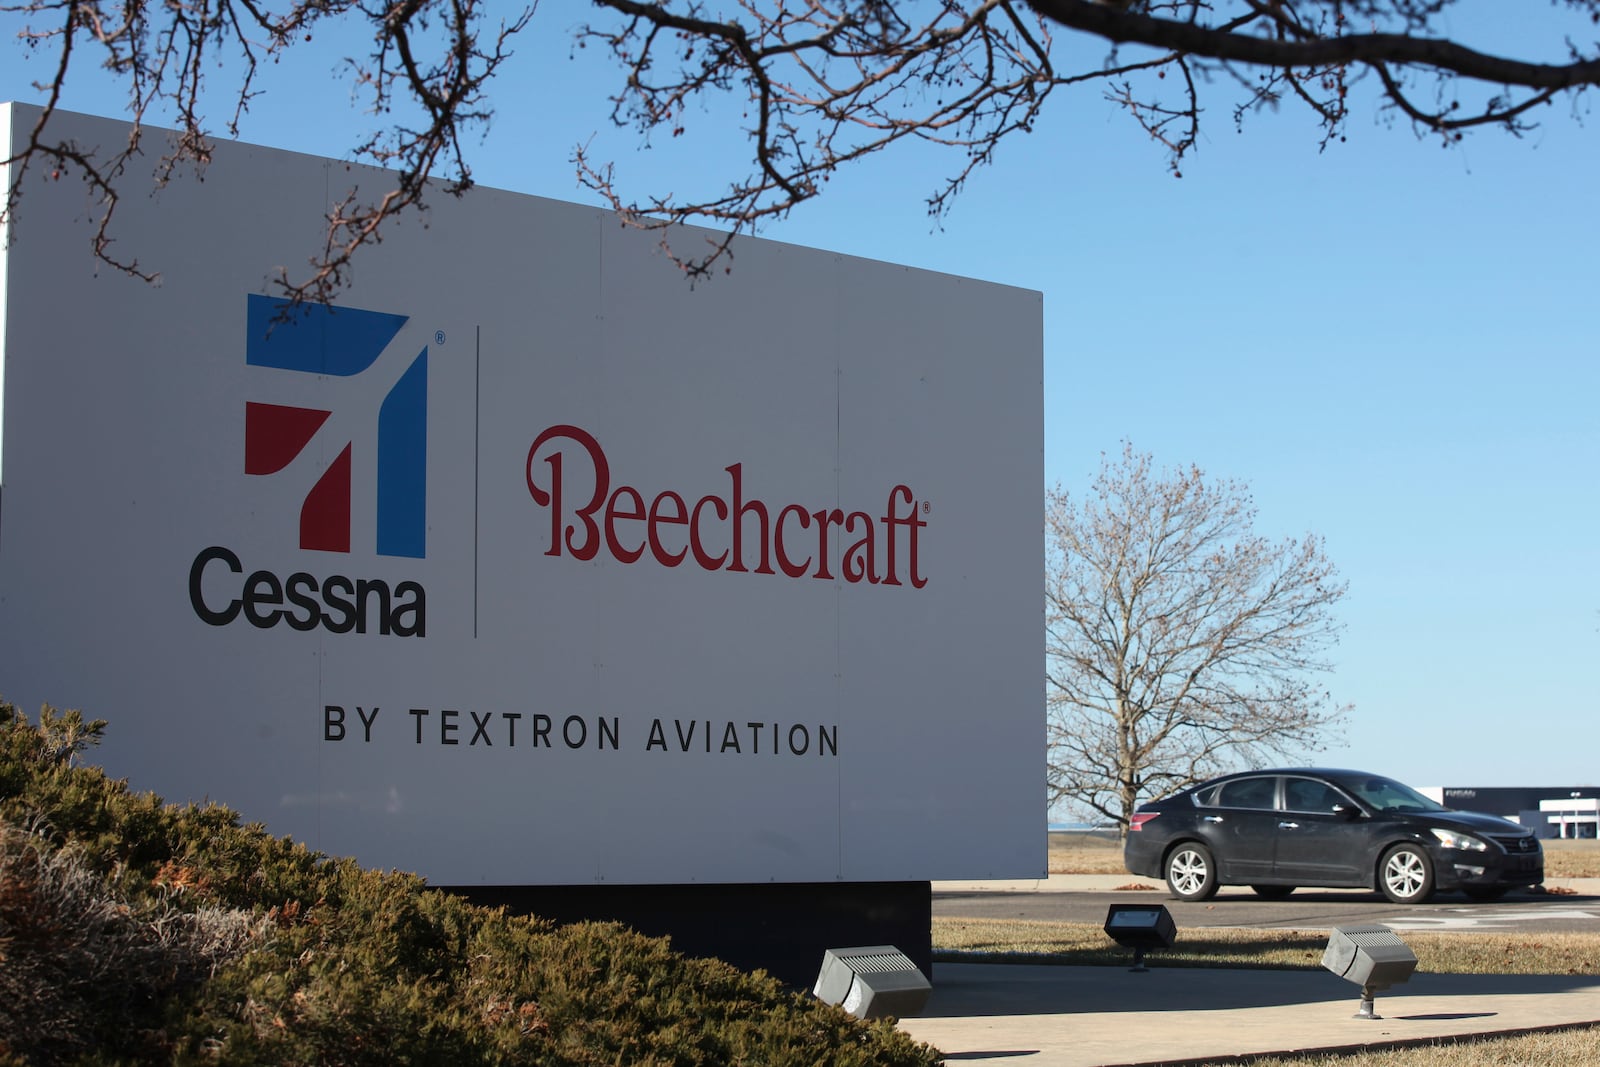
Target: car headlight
x,y
1465,842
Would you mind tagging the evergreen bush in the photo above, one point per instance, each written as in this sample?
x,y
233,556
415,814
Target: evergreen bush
x,y
132,931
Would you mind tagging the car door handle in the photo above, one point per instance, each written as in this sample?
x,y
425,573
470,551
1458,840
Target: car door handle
x,y
1212,818
1288,826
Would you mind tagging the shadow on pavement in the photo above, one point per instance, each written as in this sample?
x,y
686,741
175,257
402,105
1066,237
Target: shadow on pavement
x,y
980,990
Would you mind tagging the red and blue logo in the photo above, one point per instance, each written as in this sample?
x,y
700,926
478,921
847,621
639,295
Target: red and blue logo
x,y
341,341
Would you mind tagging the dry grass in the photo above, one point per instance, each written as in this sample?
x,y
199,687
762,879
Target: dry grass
x,y
1572,859
1578,1047
1094,853
1086,944
1102,854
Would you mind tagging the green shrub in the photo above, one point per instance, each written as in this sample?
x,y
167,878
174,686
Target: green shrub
x,y
80,964
219,943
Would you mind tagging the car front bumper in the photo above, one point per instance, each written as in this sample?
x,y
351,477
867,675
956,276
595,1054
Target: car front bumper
x,y
1477,870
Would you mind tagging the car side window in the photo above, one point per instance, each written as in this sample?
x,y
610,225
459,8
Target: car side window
x,y
1307,794
1254,793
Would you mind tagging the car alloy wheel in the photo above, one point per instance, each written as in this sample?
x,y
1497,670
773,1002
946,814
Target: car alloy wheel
x,y
1191,873
1406,875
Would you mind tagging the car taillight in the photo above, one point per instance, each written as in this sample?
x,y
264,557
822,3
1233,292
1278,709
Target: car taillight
x,y
1140,819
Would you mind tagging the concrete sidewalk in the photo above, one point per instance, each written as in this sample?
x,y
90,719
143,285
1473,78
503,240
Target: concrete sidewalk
x,y
1045,1016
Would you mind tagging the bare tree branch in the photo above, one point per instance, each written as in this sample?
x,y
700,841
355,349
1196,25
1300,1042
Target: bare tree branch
x,y
816,85
833,82
1301,48
429,58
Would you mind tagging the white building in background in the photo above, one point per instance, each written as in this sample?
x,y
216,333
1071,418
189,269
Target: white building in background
x,y
1572,817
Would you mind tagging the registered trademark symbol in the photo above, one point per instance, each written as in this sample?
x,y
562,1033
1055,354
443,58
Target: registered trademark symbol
x,y
927,507
438,337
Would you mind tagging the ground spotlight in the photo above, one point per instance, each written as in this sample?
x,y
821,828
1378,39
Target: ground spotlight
x,y
1370,955
872,982
1140,926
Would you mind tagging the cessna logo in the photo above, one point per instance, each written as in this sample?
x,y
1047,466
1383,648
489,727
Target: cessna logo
x,y
340,342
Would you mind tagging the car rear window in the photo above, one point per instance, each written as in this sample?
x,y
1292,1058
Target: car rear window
x,y
1256,793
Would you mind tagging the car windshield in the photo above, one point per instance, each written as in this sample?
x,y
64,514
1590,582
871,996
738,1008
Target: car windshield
x,y
1385,794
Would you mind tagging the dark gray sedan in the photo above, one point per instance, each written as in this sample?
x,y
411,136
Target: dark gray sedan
x,y
1277,829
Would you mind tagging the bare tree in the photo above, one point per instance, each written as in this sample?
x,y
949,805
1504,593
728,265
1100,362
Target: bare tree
x,y
1178,640
821,83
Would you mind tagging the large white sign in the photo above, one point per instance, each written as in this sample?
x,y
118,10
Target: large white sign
x,y
525,562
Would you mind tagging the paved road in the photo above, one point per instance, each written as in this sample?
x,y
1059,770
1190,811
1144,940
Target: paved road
x,y
1307,909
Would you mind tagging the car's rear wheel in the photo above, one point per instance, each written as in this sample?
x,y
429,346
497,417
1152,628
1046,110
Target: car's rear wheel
x,y
1191,872
1405,875
1272,892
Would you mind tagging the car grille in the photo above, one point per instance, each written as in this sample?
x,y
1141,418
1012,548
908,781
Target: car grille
x,y
1521,844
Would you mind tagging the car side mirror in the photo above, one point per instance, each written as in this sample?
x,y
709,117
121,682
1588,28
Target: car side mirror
x,y
1344,811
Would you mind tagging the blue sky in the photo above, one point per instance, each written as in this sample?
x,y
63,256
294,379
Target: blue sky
x,y
1393,344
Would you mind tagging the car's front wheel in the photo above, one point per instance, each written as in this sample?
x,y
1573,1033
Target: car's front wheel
x,y
1406,874
1191,872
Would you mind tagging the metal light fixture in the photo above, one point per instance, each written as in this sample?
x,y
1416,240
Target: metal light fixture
x,y
1372,956
1140,926
872,982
